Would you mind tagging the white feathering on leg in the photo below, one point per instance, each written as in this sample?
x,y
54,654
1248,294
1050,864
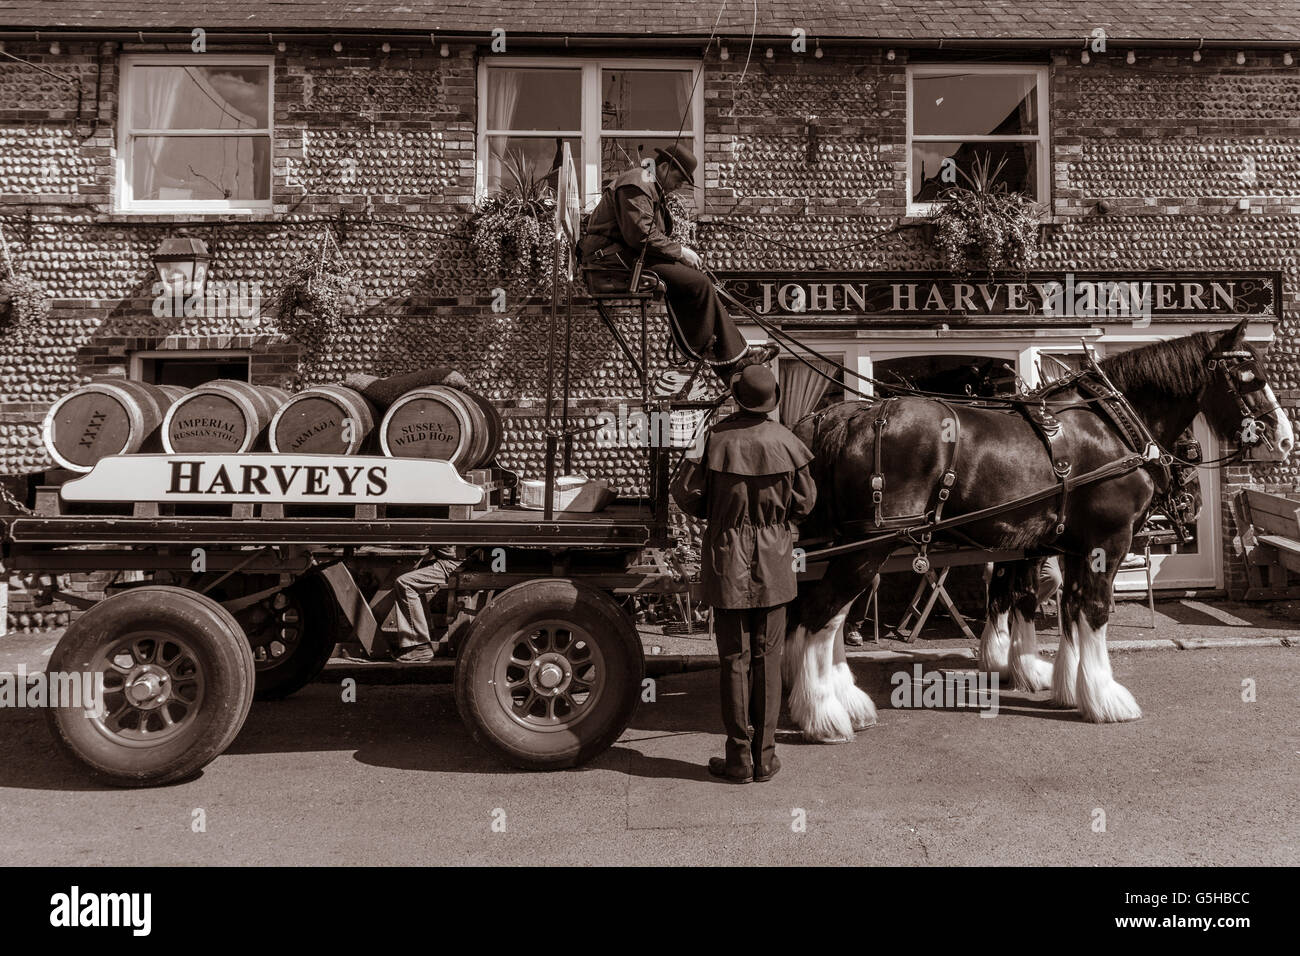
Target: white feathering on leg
x,y
1065,672
857,703
813,703
995,645
1102,699
1028,670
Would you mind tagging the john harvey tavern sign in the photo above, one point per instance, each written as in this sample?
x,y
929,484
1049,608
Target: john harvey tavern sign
x,y
835,298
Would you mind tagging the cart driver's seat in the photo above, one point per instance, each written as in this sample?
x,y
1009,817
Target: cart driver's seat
x,y
613,282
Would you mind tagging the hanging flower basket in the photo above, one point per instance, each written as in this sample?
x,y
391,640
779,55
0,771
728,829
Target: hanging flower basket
x,y
512,232
318,295
983,225
24,303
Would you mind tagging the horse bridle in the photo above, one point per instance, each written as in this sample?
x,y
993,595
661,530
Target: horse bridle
x,y
1238,370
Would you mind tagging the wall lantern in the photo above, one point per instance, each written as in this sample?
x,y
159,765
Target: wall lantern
x,y
182,260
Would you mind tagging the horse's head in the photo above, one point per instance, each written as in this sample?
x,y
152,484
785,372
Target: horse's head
x,y
1237,400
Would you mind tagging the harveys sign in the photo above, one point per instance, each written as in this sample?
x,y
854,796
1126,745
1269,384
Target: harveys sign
x,y
1098,296
271,478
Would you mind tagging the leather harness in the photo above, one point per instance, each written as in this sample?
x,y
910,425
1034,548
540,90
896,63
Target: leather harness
x,y
1099,393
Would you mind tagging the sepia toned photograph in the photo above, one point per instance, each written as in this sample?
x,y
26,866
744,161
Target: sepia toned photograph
x,y
827,433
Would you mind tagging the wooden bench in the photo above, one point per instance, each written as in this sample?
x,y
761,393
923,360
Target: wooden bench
x,y
1268,538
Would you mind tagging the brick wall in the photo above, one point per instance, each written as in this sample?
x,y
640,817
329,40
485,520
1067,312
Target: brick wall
x,y
1172,145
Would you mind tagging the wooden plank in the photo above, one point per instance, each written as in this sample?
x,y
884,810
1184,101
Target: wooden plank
x,y
1281,543
1250,550
1273,513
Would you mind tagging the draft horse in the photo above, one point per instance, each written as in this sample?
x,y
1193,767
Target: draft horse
x,y
1070,469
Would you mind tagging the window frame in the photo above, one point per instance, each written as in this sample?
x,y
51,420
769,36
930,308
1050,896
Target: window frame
x,y
1042,138
125,201
138,359
591,133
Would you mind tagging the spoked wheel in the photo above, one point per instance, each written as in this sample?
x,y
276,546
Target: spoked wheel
x,y
292,633
177,677
153,688
550,674
551,677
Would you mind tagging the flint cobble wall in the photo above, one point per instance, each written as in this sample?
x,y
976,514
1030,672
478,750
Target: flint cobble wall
x,y
804,163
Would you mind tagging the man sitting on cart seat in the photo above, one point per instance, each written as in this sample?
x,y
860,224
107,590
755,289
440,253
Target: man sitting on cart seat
x,y
412,643
751,485
632,214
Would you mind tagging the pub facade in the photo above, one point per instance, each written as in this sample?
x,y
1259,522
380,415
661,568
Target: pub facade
x,y
1161,154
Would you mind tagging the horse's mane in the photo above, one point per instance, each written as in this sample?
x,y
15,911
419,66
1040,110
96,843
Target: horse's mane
x,y
1176,366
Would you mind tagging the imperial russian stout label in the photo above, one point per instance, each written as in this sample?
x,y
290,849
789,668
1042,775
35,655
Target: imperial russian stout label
x,y
208,423
221,416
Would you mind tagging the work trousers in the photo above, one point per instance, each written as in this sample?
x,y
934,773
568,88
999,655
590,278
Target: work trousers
x,y
750,641
412,588
705,325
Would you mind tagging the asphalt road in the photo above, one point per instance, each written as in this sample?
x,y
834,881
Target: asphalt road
x,y
1204,778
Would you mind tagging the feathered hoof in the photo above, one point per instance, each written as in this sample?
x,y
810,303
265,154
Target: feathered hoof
x,y
1065,701
1032,674
822,719
855,701
1109,704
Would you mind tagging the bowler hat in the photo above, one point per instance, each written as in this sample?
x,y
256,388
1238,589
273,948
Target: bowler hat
x,y
755,388
681,157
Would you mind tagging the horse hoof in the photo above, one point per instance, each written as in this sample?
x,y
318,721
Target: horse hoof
x,y
1112,705
1033,675
828,740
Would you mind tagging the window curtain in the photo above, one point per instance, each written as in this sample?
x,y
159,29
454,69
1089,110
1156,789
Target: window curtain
x,y
802,388
159,94
503,98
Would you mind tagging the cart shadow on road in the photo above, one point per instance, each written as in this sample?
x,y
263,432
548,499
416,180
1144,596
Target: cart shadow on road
x,y
417,727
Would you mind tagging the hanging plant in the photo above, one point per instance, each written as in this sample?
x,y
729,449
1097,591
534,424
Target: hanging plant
x,y
511,233
318,295
985,225
23,300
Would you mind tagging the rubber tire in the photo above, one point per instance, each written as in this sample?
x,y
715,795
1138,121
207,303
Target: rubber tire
x,y
512,610
321,630
225,657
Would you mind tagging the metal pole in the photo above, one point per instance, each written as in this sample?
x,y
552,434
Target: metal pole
x,y
568,354
550,383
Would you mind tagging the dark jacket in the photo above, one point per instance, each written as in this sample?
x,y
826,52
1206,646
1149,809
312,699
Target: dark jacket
x,y
751,486
631,211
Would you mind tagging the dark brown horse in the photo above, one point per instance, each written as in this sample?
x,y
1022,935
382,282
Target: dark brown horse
x,y
996,455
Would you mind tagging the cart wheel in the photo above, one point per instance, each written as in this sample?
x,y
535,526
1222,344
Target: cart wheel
x,y
292,634
550,674
178,683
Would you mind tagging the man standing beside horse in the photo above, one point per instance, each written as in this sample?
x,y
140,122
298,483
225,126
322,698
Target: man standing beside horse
x,y
751,484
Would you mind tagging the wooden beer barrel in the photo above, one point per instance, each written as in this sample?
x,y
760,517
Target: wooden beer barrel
x,y
111,417
444,423
225,415
315,421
